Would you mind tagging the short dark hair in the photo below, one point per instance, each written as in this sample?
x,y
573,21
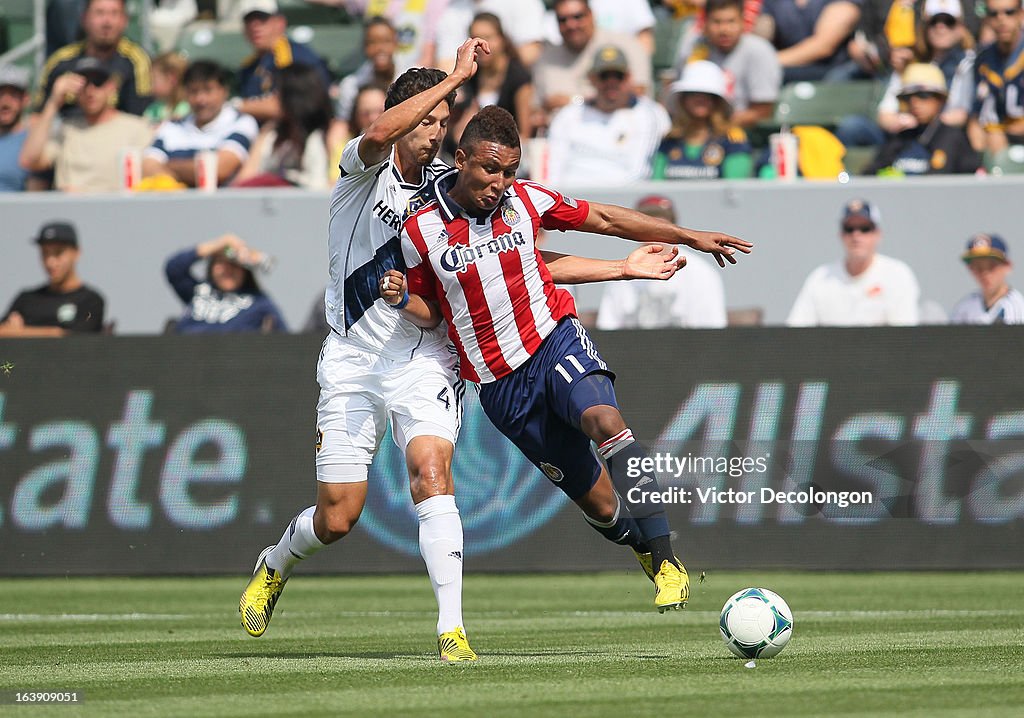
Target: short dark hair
x,y
414,81
712,5
556,3
88,4
374,22
491,124
204,71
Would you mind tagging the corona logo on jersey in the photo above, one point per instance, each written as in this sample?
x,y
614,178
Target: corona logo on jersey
x,y
460,257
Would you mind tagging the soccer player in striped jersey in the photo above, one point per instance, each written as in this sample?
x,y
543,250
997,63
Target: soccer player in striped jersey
x,y
472,260
996,302
376,368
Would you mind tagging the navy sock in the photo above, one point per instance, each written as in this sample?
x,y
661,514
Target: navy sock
x,y
622,529
624,456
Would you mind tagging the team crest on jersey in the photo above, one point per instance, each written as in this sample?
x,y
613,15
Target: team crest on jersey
x,y
460,257
714,153
319,440
509,214
552,472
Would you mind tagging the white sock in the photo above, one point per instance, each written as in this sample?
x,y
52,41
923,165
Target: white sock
x,y
441,548
298,543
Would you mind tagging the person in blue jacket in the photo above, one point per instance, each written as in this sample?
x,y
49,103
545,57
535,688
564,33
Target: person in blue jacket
x,y
229,300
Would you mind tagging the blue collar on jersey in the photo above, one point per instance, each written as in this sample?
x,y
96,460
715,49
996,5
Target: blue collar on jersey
x,y
450,209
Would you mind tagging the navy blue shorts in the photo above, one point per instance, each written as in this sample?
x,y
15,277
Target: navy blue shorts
x,y
531,407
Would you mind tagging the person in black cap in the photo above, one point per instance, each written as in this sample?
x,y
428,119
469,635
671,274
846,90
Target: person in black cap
x,y
103,23
996,302
85,152
64,304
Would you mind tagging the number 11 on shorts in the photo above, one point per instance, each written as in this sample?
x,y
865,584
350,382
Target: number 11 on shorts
x,y
565,372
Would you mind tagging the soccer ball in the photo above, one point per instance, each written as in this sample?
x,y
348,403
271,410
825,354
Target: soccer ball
x,y
756,623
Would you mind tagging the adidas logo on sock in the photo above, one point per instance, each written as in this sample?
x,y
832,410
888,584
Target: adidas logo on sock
x,y
645,480
456,554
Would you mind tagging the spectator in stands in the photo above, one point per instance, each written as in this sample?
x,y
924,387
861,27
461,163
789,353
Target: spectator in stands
x,y
368,106
522,20
213,124
752,70
561,73
694,297
702,143
502,79
415,22
610,139
995,302
930,146
63,305
169,101
866,288
623,17
292,151
943,40
84,151
266,30
229,300
13,131
891,34
104,23
811,37
998,79
379,45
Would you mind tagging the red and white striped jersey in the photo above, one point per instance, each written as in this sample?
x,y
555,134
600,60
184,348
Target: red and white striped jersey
x,y
487,274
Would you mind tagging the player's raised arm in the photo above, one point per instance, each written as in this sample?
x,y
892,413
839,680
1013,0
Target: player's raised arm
x,y
651,261
399,120
395,291
618,221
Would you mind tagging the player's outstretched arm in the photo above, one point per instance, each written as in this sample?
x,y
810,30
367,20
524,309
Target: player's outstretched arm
x,y
414,308
652,261
618,221
399,120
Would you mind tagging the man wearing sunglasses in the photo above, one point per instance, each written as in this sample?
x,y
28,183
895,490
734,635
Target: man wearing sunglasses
x,y
865,288
611,139
930,146
560,76
86,149
999,102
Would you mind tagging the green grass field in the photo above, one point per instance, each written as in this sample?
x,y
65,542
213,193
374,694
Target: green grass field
x,y
899,644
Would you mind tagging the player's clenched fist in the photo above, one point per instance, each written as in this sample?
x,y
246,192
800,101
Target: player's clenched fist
x,y
392,287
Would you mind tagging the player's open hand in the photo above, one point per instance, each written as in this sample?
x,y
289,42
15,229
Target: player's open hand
x,y
723,246
392,287
465,57
653,261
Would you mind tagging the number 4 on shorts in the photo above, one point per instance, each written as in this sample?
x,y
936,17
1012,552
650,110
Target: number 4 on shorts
x,y
442,396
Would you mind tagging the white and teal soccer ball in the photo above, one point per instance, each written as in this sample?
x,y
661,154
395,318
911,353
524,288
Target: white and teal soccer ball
x,y
756,623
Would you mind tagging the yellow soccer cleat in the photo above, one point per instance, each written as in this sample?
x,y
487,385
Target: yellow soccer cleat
x,y
256,605
672,587
453,647
646,563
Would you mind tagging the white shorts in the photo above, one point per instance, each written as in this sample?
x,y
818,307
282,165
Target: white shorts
x,y
361,391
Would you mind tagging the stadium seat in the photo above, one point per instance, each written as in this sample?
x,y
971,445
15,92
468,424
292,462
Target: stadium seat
x,y
1006,162
340,45
207,43
300,12
667,35
825,103
857,159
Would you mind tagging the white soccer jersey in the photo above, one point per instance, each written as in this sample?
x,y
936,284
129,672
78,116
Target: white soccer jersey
x,y
368,206
487,274
1008,309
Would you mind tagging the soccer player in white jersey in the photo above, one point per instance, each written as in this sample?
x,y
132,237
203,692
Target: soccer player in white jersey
x,y
375,367
996,302
472,259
